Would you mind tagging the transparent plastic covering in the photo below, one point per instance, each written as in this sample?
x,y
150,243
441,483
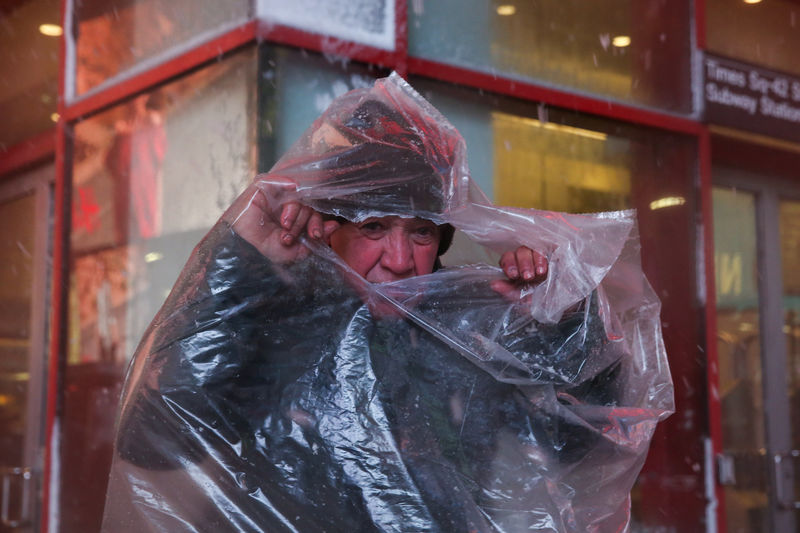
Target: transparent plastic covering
x,y
285,392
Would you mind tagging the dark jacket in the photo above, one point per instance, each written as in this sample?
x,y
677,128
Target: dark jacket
x,y
266,398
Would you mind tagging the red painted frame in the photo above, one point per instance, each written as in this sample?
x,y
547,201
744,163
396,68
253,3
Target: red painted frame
x,y
705,158
27,153
401,37
530,91
712,357
256,31
700,24
59,294
398,60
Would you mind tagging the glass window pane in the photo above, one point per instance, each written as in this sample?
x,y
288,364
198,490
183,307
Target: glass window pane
x,y
300,86
29,63
16,289
564,168
370,22
113,37
150,177
739,352
763,33
624,49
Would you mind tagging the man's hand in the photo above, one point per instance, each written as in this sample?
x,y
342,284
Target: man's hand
x,y
263,218
522,266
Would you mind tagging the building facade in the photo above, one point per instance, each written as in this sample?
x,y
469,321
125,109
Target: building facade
x,y
130,125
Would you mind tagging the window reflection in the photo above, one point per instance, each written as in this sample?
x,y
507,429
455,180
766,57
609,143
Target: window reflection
x,y
628,50
150,177
764,33
367,21
564,168
29,63
114,36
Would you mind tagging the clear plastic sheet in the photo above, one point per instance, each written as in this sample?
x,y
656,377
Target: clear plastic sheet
x,y
270,395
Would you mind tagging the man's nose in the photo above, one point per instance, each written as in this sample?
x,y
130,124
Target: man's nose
x,y
398,256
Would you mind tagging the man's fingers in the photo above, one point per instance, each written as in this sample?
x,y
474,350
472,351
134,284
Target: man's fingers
x,y
507,289
508,263
298,225
289,214
540,261
314,227
328,227
524,264
524,257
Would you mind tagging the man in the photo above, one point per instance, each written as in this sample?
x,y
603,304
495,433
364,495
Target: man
x,y
314,369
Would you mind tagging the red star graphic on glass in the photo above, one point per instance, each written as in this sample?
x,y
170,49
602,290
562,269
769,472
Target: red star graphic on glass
x,y
85,211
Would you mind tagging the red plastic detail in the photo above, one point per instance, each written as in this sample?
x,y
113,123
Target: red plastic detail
x,y
529,91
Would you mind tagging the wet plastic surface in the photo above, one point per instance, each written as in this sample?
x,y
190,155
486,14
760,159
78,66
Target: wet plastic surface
x,y
275,396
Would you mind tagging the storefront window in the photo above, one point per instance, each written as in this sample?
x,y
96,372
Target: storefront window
x,y
632,51
150,177
526,155
112,38
29,39
762,33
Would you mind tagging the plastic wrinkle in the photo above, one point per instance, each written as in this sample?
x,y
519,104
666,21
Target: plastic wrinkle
x,y
279,392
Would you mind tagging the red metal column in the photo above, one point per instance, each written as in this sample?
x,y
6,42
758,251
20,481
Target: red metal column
x,y
538,93
59,279
401,37
712,361
712,356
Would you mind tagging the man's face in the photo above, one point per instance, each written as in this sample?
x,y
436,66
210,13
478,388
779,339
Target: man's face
x,y
388,248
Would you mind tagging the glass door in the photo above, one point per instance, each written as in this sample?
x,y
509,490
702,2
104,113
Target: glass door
x,y
24,233
757,262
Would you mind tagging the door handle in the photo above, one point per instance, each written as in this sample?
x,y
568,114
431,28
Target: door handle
x,y
784,479
16,481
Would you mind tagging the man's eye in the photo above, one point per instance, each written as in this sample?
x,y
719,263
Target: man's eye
x,y
425,233
371,227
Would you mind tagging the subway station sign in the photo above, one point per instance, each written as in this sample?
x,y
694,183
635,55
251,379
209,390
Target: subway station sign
x,y
751,98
